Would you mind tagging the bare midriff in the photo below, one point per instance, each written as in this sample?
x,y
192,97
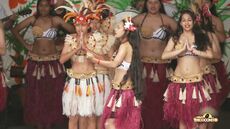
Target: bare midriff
x,y
152,48
83,67
44,47
187,66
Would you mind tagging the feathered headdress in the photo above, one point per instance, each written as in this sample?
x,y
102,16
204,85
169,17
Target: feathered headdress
x,y
77,12
97,7
85,11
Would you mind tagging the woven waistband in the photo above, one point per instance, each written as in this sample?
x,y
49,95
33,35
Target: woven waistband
x,y
43,58
73,74
149,59
126,86
187,79
209,69
102,71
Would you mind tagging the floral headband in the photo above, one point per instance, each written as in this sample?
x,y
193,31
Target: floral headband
x,y
129,24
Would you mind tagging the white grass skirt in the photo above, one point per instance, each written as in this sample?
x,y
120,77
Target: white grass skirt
x,y
104,81
82,96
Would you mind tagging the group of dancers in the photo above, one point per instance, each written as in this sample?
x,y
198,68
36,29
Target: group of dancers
x,y
145,71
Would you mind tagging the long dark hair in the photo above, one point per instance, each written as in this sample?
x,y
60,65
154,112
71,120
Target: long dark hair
x,y
145,10
201,38
38,12
135,69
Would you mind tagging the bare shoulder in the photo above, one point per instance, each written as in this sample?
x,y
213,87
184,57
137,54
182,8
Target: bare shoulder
x,y
30,19
216,19
137,19
57,19
124,45
127,45
167,18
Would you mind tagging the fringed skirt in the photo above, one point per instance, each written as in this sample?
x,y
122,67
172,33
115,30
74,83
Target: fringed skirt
x,y
82,95
45,81
155,73
212,85
224,81
3,92
123,107
103,82
184,99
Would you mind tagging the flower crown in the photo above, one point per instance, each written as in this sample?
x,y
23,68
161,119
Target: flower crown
x,y
129,24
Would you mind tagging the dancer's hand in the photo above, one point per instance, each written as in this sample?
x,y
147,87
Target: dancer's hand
x,y
184,48
188,47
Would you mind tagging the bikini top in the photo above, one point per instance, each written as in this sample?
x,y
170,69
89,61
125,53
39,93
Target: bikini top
x,y
124,65
187,53
161,33
50,33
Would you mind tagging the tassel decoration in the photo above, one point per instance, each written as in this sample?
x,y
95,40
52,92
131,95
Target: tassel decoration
x,y
59,69
144,74
200,98
180,94
110,102
38,74
206,94
78,91
184,96
194,96
119,101
151,74
25,69
93,86
155,77
88,92
35,71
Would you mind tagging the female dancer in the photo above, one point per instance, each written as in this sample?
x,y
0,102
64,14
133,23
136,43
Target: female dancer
x,y
154,28
186,96
44,73
122,109
82,95
211,23
3,91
